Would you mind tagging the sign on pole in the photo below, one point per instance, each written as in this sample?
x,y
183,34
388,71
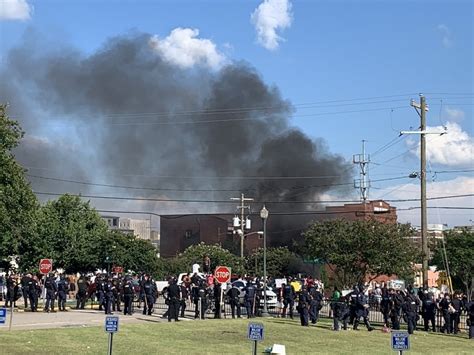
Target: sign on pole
x,y
400,341
255,334
111,327
222,274
45,266
3,316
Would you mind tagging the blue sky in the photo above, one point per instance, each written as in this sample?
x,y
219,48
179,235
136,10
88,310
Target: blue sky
x,y
333,50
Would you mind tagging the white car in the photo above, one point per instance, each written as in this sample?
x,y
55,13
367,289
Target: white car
x,y
271,296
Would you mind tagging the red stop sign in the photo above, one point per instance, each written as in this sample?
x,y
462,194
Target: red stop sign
x,y
45,266
222,274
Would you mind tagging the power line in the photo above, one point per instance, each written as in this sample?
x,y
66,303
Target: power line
x,y
227,201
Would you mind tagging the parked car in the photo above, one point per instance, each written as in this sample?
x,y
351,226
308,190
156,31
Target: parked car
x,y
271,296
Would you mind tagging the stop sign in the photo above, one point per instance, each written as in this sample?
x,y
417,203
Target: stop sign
x,y
222,274
45,266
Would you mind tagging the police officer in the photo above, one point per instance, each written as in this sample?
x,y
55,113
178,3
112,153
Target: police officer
x,y
362,310
457,305
63,288
148,292
217,299
288,295
410,310
250,293
82,286
117,291
234,300
25,289
33,291
341,313
184,298
108,288
444,305
386,305
100,291
174,298
316,304
397,302
128,295
470,318
429,308
304,300
51,289
11,284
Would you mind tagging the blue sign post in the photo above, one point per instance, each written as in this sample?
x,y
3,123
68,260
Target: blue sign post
x,y
255,333
3,316
400,341
111,327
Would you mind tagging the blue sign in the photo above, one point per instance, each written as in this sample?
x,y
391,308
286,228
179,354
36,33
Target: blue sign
x,y
3,315
400,340
111,324
255,332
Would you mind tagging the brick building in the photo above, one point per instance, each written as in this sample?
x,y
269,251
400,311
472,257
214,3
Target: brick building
x,y
177,232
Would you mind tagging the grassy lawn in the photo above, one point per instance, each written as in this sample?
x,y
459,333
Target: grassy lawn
x,y
220,337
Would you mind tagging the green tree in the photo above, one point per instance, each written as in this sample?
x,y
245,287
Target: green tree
x,y
280,262
460,255
358,250
70,232
218,255
18,204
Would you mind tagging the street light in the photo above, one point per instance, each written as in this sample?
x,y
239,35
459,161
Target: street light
x,y
264,216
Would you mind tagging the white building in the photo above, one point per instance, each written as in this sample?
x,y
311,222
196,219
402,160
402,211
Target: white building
x,y
140,227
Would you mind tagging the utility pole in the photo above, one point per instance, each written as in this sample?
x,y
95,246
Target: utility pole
x,y
242,208
363,183
421,108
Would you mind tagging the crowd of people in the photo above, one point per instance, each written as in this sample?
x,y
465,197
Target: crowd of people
x,y
112,291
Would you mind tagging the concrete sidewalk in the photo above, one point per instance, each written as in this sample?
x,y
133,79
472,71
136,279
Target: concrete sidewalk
x,y
73,318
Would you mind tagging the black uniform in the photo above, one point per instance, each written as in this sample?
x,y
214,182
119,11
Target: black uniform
x,y
288,299
234,300
386,305
456,303
25,289
11,287
81,295
410,310
429,308
362,310
470,318
63,288
184,297
250,294
174,298
100,292
108,296
316,304
128,295
340,312
304,300
217,300
397,302
148,292
34,290
444,306
117,290
51,289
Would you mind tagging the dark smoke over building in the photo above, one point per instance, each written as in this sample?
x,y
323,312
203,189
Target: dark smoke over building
x,y
125,116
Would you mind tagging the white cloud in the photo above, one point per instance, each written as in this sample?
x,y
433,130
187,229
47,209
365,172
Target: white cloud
x,y
15,10
461,185
455,148
184,49
454,114
268,18
446,39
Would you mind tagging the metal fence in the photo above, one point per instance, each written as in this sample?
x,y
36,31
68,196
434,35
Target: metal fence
x,y
375,316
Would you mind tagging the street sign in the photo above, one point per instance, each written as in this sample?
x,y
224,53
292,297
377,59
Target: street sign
x,y
255,331
222,274
45,266
111,324
3,315
400,341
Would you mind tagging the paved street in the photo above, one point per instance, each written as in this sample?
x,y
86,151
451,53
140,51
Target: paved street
x,y
72,318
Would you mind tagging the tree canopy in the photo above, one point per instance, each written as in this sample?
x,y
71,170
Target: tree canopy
x,y
460,255
357,250
18,204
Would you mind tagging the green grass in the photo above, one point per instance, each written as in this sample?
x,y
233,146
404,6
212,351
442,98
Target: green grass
x,y
220,337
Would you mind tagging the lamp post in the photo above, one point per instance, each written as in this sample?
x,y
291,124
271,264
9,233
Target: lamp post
x,y
264,216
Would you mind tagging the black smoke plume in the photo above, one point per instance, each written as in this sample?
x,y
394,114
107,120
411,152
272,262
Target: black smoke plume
x,y
124,116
